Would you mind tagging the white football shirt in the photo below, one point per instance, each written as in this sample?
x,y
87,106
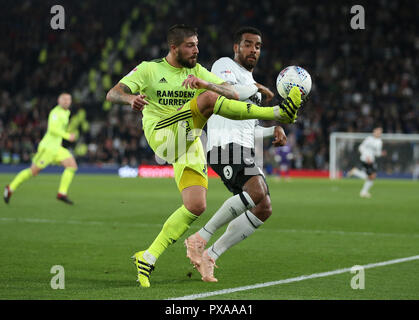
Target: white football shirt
x,y
222,131
370,148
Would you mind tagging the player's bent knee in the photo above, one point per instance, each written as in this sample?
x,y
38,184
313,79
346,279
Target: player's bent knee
x,y
210,97
257,194
206,102
196,207
35,171
256,188
263,211
267,211
73,167
70,163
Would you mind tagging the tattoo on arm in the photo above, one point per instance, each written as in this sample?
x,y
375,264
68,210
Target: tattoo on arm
x,y
119,94
224,89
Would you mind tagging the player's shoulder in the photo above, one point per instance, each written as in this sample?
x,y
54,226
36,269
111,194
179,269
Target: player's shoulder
x,y
56,112
56,109
199,69
158,60
224,61
150,64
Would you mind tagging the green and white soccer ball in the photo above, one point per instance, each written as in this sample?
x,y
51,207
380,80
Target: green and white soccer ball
x,y
293,76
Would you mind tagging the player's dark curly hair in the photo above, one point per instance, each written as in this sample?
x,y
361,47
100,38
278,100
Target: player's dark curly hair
x,y
238,34
178,32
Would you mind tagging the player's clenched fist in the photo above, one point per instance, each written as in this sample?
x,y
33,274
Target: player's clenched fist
x,y
138,102
280,137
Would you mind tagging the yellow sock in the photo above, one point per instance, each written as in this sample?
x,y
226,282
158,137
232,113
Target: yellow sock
x,y
66,179
21,177
239,110
174,227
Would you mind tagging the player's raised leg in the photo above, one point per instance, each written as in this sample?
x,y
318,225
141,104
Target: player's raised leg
x,y
210,102
355,172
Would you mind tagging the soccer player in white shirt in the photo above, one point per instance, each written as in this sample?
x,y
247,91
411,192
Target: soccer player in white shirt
x,y
370,148
251,205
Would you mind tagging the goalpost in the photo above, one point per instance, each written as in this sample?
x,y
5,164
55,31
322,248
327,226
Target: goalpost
x,y
401,160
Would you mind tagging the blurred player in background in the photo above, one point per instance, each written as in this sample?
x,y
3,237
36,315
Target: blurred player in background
x,y
177,96
251,204
370,149
50,151
283,155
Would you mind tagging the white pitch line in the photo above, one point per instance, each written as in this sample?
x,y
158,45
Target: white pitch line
x,y
355,233
126,224
296,279
77,222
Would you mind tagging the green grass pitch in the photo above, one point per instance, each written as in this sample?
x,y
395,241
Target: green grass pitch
x,y
317,226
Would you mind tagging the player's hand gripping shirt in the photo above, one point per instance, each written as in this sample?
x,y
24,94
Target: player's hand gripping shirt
x,y
56,132
162,84
222,131
370,148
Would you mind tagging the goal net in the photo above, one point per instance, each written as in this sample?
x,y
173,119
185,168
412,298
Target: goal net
x,y
401,160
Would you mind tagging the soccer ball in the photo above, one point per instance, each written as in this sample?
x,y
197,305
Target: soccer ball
x,y
293,76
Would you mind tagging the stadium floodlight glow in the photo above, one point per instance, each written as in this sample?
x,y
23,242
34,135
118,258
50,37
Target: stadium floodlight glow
x,y
402,159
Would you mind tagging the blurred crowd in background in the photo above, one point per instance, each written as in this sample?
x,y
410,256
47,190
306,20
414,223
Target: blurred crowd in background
x,y
360,77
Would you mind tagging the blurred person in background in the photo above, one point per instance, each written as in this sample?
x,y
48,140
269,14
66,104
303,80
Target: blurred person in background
x,y
370,149
50,151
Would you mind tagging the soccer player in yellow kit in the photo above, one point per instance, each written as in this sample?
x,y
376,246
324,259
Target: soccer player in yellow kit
x,y
50,151
177,96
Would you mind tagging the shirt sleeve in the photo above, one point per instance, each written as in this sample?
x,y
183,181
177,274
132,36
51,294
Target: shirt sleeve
x,y
136,80
267,132
222,69
55,126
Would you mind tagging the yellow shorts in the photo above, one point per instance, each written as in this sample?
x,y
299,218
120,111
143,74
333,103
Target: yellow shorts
x,y
175,139
45,157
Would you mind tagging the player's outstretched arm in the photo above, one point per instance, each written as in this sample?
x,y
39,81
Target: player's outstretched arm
x,y
225,89
280,138
122,94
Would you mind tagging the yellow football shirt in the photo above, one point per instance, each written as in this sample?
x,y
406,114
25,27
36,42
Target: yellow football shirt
x,y
162,84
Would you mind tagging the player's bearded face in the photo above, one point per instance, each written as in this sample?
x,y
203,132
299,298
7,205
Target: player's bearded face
x,y
248,52
187,52
248,61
